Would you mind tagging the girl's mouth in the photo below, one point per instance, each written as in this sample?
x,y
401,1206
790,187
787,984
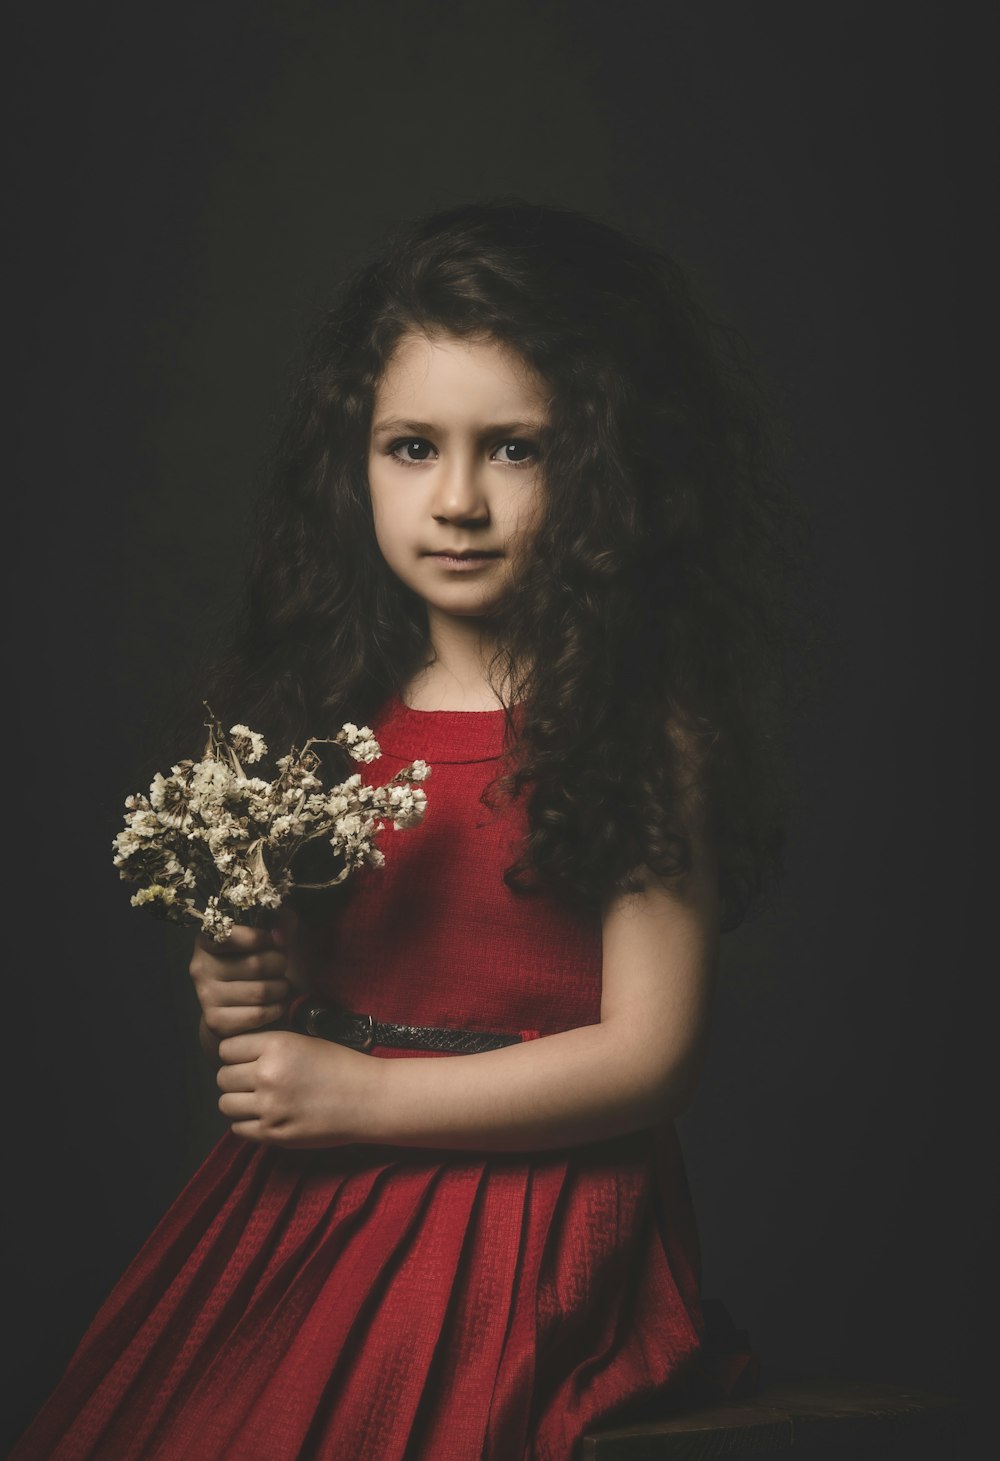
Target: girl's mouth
x,y
465,561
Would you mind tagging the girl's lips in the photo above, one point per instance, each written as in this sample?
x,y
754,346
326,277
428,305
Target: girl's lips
x,y
464,561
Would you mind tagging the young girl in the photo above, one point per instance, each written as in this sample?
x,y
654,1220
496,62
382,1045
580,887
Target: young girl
x,y
523,522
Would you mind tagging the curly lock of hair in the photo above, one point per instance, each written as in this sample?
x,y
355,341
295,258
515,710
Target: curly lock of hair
x,y
647,643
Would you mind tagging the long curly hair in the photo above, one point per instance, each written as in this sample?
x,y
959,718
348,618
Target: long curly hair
x,y
645,643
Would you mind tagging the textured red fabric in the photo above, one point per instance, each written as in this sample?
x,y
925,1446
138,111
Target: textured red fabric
x,y
375,1303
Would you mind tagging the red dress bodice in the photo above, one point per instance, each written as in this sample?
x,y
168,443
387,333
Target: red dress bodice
x,y
436,937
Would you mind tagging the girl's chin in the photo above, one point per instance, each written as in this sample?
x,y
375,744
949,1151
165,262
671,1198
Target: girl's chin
x,y
460,596
462,611
460,607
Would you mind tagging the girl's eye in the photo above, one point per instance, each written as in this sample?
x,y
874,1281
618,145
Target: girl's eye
x,y
517,453
411,449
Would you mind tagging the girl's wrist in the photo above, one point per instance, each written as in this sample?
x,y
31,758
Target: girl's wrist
x,y
372,1096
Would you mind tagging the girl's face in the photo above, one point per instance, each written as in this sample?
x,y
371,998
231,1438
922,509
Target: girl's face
x,y
454,468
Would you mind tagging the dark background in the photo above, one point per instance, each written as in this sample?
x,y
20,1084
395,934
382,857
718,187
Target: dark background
x,y
187,184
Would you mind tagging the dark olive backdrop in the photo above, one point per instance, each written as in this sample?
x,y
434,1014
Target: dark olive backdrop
x,y
187,184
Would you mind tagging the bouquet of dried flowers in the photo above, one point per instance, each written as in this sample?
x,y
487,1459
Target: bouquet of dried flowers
x,y
213,846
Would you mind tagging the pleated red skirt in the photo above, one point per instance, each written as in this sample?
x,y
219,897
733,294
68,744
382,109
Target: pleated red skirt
x,y
377,1305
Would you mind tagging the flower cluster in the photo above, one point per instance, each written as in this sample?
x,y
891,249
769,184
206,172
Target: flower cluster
x,y
213,846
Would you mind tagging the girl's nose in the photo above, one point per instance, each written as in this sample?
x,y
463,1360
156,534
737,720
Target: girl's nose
x,y
458,494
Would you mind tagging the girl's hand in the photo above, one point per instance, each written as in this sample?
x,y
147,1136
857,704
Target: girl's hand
x,y
241,981
291,1090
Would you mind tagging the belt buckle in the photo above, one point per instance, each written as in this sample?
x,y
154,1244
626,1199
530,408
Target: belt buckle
x,y
343,1026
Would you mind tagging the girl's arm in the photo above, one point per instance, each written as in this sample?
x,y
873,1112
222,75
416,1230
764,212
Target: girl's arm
x,y
638,1066
633,1069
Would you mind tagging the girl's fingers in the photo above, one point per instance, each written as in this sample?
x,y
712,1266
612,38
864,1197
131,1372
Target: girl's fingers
x,y
266,963
237,1106
249,1130
235,1078
238,1049
242,1019
257,991
242,940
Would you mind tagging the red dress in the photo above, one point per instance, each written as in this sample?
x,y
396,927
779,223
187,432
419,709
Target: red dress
x,y
373,1303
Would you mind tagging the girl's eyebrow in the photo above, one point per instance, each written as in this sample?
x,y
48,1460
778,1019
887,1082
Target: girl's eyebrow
x,y
427,428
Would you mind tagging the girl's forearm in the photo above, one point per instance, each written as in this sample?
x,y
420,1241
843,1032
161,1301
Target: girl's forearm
x,y
578,1086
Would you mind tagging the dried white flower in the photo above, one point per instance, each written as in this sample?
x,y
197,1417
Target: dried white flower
x,y
361,744
155,893
213,846
250,746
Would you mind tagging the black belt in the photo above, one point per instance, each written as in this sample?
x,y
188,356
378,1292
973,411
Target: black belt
x,y
361,1032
